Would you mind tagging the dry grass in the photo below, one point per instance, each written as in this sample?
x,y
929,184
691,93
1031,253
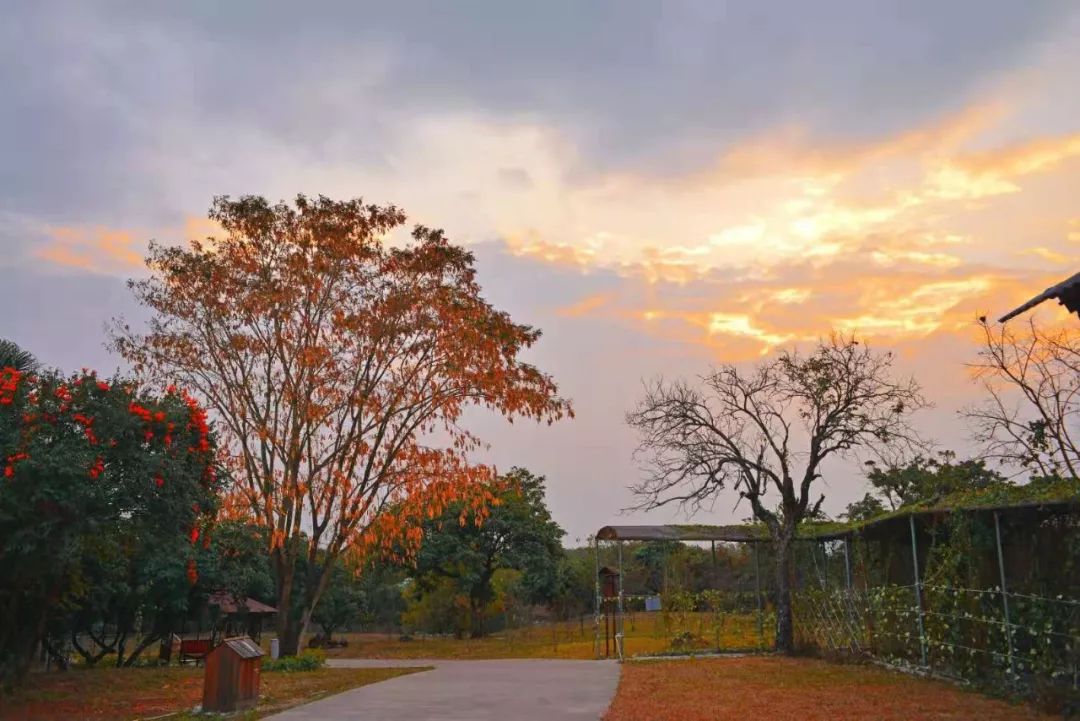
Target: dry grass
x,y
140,693
736,689
645,634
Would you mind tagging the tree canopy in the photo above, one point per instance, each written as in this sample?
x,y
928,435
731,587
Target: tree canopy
x,y
107,490
339,367
519,534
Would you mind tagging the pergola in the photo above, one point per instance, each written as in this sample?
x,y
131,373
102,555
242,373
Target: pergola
x,y
682,533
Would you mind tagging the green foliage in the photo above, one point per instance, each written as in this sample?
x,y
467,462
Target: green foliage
x,y
864,509
105,492
928,480
962,614
464,555
12,356
575,584
310,660
236,562
342,602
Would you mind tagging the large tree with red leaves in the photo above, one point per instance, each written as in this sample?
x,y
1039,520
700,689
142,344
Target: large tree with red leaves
x,y
339,366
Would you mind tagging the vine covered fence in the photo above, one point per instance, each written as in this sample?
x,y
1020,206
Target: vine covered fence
x,y
985,594
989,596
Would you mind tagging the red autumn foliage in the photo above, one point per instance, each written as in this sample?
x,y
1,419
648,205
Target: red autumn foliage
x,y
340,368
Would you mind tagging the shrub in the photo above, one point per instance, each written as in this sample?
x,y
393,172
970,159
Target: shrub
x,y
309,660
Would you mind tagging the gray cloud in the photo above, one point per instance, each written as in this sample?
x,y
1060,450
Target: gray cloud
x,y
135,113
101,96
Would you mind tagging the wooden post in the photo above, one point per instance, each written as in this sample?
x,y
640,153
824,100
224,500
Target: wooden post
x,y
918,589
1004,594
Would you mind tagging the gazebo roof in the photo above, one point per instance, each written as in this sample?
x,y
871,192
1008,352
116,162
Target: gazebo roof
x,y
229,604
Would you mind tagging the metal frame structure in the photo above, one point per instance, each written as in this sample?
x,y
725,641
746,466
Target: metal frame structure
x,y
844,613
683,533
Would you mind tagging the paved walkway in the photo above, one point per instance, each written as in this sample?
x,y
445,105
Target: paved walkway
x,y
519,689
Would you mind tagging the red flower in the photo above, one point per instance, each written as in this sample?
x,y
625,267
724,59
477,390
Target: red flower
x,y
9,383
192,573
98,468
103,386
9,471
159,481
194,536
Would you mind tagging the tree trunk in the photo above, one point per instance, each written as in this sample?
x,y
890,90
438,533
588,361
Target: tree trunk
x,y
288,627
785,632
291,629
477,608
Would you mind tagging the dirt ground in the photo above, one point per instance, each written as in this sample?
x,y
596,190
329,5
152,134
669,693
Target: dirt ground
x,y
140,693
755,687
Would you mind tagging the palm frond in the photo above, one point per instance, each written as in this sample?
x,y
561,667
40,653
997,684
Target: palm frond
x,y
12,356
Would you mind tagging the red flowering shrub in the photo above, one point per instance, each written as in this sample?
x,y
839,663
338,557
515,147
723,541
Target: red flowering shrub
x,y
104,491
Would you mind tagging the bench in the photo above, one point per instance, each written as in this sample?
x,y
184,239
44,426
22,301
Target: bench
x,y
194,649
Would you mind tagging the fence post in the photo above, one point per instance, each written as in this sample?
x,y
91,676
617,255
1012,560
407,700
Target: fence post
x,y
918,589
757,596
847,561
619,634
714,584
598,609
1004,594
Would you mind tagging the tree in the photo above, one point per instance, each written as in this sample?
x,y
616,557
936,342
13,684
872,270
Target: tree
x,y
106,489
518,534
1031,416
924,479
236,562
342,603
339,368
770,431
12,356
867,507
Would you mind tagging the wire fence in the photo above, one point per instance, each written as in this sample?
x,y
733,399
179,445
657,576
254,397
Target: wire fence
x,y
979,635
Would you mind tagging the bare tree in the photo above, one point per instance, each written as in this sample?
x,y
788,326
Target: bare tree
x,y
1031,416
769,431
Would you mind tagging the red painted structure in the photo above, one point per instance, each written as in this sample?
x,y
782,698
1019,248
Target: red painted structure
x,y
231,682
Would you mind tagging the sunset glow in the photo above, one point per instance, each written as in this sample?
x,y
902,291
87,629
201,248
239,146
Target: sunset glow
x,y
707,197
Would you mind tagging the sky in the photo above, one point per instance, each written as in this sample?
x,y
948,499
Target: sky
x,y
660,187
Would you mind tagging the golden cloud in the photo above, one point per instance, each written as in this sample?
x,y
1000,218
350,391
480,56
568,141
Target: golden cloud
x,y
95,249
100,249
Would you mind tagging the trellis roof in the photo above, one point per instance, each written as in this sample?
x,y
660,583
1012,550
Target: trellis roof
x,y
737,533
756,533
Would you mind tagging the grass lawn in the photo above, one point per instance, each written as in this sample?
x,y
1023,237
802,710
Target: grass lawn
x,y
139,693
784,688
645,634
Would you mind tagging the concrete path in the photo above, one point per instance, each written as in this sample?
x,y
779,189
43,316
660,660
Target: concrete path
x,y
518,689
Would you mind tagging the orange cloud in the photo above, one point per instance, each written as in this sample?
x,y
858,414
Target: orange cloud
x,y
586,306
98,249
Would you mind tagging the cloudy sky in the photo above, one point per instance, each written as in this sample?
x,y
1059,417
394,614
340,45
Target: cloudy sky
x,y
659,186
